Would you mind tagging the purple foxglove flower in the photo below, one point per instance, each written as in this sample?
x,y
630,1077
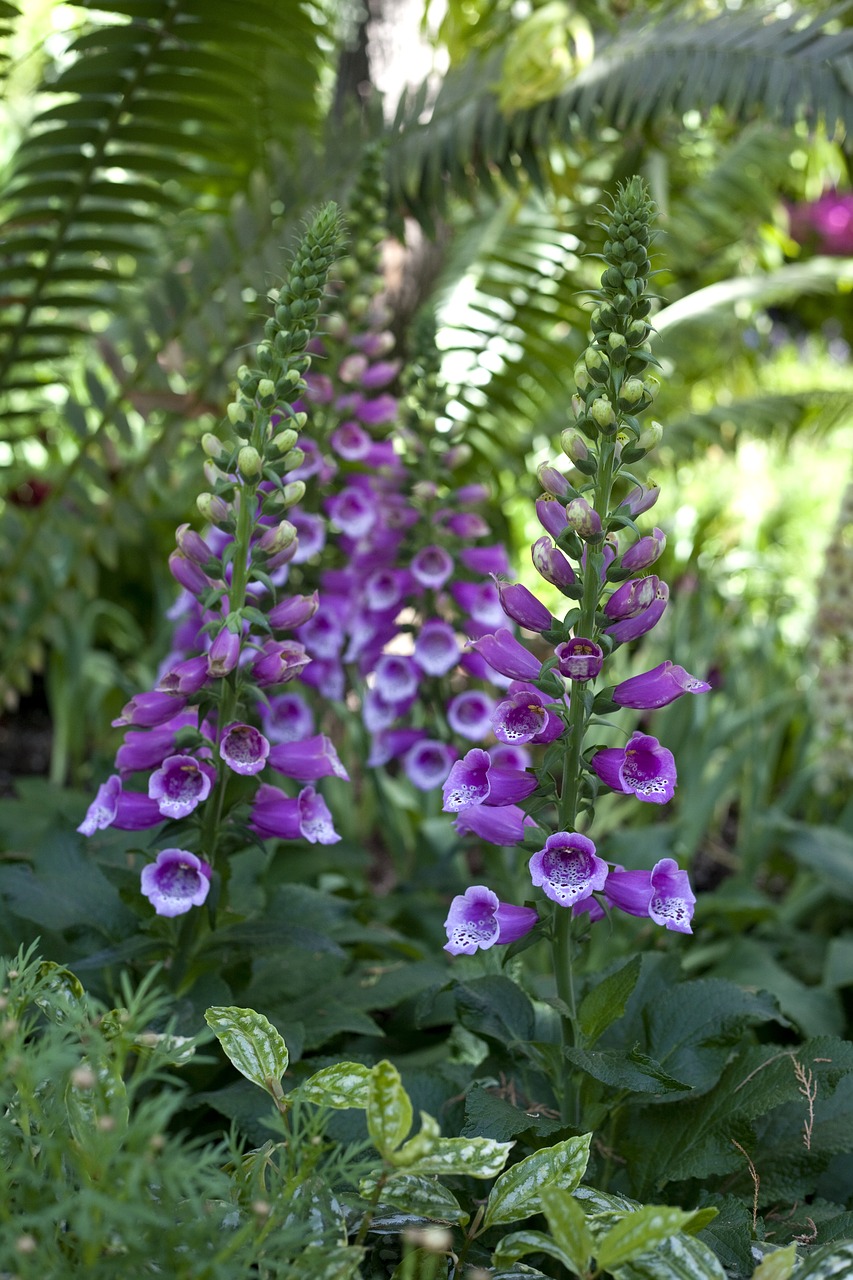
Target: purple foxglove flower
x,y
551,564
278,662
476,780
631,598
467,525
351,441
379,712
327,677
374,345
522,606
310,535
524,717
397,677
176,882
103,808
188,574
390,743
503,652
352,367
633,628
375,412
485,559
585,521
352,511
293,612
224,654
321,389
436,648
192,545
428,763
476,667
148,749
472,493
568,869
313,462
645,551
664,894
431,567
552,516
244,749
478,919
185,678
480,600
307,760
469,714
323,634
286,718
504,826
380,374
136,812
179,786
384,589
641,499
147,710
658,687
277,816
643,767
510,756
553,481
579,659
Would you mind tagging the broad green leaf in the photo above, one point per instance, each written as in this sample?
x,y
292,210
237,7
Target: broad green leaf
x,y
678,1258
389,1108
639,1232
496,1007
421,1145
473,1157
778,1265
423,1196
567,1221
606,1002
520,1243
492,1117
626,1069
516,1194
834,1262
252,1045
343,1085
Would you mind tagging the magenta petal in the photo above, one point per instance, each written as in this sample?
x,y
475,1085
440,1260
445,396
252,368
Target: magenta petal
x,y
307,759
514,922
508,786
633,628
504,826
136,812
630,891
608,764
658,687
505,654
468,781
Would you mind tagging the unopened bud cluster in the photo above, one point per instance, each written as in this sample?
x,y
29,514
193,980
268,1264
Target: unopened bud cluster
x,y
612,376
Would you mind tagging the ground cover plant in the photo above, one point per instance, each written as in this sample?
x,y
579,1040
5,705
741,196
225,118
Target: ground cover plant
x,y
462,887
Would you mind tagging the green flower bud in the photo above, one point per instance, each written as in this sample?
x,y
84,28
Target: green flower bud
x,y
266,388
597,364
292,459
573,445
582,378
618,348
212,445
250,462
652,386
602,413
631,393
638,331
285,440
651,437
300,420
292,493
212,508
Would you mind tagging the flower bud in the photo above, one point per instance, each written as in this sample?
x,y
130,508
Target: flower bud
x,y
236,415
582,379
597,364
293,459
640,499
645,551
276,539
213,508
250,462
602,414
618,348
573,445
631,393
457,455
292,493
652,387
651,437
266,389
212,446
285,440
581,517
553,481
192,545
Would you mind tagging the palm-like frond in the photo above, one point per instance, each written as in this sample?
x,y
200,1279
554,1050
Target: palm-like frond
x,y
641,78
8,14
164,101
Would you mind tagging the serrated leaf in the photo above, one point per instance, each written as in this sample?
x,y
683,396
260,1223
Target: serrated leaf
x,y
606,1002
473,1157
639,1232
341,1086
626,1069
520,1243
567,1222
252,1045
389,1108
516,1194
778,1265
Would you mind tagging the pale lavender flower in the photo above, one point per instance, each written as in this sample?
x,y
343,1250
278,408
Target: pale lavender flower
x,y
431,567
664,894
568,869
436,648
176,882
427,763
658,687
643,768
286,718
478,920
476,779
579,659
244,749
179,786
275,815
103,808
469,714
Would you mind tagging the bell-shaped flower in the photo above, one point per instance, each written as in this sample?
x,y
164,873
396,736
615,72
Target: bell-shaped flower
x,y
485,559
350,441
510,755
185,678
504,826
436,648
176,882
568,869
323,634
308,759
179,786
643,621
579,659
431,567
551,564
244,749
525,717
103,808
277,816
552,516
522,606
397,677
310,535
640,499
147,710
645,551
279,661
352,511
385,589
478,920
136,812
658,687
188,574
427,763
387,744
642,768
470,714
664,894
286,718
585,521
293,612
631,598
224,653
507,655
376,412
480,600
476,779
